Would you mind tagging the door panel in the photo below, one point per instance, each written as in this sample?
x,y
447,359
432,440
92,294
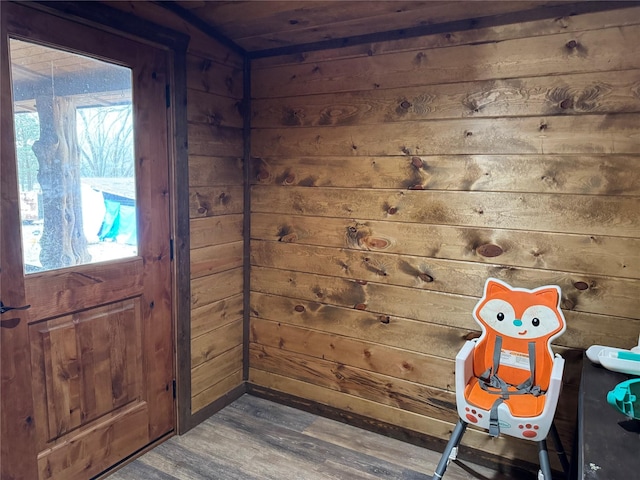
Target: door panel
x,y
87,370
86,365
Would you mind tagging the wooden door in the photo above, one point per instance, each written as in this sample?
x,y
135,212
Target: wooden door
x,y
87,369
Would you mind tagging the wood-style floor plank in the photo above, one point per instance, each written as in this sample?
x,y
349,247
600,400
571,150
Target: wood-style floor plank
x,y
254,438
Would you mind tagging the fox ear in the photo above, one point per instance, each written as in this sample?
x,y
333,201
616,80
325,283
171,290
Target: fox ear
x,y
548,296
493,287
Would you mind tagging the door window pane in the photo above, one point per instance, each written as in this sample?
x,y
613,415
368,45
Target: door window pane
x,y
75,153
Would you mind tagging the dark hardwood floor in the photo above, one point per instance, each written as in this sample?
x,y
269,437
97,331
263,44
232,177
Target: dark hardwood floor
x,y
254,438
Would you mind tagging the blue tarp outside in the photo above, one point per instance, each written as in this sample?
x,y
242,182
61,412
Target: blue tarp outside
x,y
119,224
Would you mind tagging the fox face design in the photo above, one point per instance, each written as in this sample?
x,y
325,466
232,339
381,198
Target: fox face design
x,y
519,317
520,313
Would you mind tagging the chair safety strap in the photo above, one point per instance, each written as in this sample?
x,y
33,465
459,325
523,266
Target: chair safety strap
x,y
491,383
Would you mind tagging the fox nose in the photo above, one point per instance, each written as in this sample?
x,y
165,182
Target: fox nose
x,y
517,322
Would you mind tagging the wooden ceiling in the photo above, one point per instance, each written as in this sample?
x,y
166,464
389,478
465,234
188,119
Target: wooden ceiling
x,y
264,25
37,68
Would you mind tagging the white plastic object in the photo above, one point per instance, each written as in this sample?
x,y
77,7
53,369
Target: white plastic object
x,y
593,352
454,454
608,358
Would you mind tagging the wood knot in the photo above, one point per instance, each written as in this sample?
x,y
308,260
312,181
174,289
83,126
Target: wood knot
x,y
262,174
360,306
417,186
467,133
472,335
566,103
542,127
299,308
581,285
384,319
376,243
572,44
289,179
289,238
489,250
392,210
425,277
417,162
405,104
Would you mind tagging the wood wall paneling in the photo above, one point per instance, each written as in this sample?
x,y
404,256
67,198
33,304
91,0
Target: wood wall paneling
x,y
564,22
390,180
604,255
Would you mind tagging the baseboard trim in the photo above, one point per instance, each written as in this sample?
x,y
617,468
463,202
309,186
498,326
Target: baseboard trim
x,y
204,413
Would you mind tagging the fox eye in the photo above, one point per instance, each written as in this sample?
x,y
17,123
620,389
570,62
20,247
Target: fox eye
x,y
500,316
535,321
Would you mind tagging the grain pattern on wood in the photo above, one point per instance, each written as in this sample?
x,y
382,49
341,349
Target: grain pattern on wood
x,y
508,448
207,74
211,372
387,390
548,26
215,200
209,289
577,214
587,51
589,254
86,365
215,342
395,362
216,258
607,92
214,141
390,303
306,22
216,391
592,294
199,41
206,231
216,314
281,442
85,286
584,174
210,171
212,109
393,331
584,134
127,429
424,305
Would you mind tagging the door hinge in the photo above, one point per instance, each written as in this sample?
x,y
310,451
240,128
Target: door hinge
x,y
168,95
171,249
174,388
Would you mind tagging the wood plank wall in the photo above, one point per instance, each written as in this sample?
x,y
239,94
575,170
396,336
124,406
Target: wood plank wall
x,y
215,137
390,180
214,97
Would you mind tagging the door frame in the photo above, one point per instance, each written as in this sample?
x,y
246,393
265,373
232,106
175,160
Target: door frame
x,y
174,44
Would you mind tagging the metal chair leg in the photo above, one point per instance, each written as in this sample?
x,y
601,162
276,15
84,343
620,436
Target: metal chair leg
x,y
454,441
564,461
543,456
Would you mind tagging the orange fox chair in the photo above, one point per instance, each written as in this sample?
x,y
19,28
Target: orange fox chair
x,y
508,381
